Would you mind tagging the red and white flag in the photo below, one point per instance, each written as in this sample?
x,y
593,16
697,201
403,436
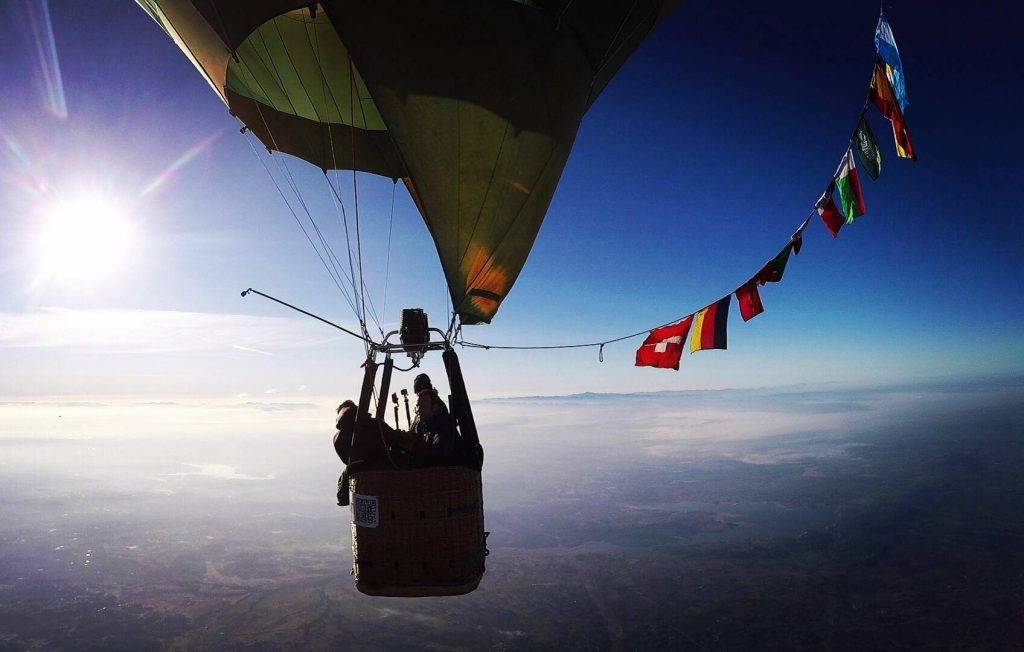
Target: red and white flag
x,y
664,346
829,212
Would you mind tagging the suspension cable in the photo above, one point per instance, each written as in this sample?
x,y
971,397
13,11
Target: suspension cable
x,y
387,264
378,317
368,298
293,185
330,261
299,222
314,44
339,204
355,183
360,314
282,163
339,207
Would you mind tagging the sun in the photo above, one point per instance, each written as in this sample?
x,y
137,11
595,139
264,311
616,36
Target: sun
x,y
84,238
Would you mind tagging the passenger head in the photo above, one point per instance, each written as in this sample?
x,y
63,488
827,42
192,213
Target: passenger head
x,y
346,424
421,383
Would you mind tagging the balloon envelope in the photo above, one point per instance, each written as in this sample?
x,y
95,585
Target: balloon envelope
x,y
473,104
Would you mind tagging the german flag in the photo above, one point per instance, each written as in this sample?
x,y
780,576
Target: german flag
x,y
709,327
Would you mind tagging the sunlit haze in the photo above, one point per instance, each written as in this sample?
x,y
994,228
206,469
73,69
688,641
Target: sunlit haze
x,y
83,239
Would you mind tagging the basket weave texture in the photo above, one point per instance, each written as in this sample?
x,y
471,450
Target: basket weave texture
x,y
430,536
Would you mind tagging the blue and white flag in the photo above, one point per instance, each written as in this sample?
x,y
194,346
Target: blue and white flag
x,y
885,45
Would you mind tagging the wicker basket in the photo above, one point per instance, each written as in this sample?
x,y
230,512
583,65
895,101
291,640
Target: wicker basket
x,y
417,533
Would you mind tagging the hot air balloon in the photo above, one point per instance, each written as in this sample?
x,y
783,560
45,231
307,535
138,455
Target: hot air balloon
x,y
474,105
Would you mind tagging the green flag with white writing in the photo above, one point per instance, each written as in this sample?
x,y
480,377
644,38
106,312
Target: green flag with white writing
x,y
866,146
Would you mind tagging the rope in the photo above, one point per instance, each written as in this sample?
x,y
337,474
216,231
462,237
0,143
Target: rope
x,y
328,250
458,179
378,317
355,184
477,345
299,222
451,326
339,206
294,185
325,253
336,276
337,199
601,343
387,264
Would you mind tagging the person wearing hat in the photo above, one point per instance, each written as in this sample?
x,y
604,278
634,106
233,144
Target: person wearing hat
x,y
367,449
433,424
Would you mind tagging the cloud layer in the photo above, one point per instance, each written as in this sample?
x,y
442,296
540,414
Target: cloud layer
x,y
156,331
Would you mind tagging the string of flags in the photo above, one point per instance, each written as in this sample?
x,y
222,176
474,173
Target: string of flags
x,y
887,91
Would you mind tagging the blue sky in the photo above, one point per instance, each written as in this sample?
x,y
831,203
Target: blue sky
x,y
693,168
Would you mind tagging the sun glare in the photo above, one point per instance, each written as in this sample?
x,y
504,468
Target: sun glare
x,y
86,238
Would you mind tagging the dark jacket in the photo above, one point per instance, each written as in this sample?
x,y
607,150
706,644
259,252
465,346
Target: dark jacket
x,y
366,452
434,427
435,442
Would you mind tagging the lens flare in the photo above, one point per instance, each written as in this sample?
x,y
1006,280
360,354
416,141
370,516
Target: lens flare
x,y
36,28
160,180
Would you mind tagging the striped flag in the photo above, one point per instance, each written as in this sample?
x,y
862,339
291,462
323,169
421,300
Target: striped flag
x,y
848,182
709,330
884,98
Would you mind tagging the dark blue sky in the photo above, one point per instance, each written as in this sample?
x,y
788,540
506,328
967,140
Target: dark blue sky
x,y
693,168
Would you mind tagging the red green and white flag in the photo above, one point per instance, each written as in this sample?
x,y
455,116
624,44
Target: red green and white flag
x,y
848,183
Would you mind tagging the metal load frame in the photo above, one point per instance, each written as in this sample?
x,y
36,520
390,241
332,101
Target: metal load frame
x,y
458,400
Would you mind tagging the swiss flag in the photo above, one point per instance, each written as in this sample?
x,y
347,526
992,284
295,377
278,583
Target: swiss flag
x,y
664,346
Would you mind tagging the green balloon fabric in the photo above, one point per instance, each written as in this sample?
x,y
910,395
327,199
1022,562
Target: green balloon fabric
x,y
474,104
